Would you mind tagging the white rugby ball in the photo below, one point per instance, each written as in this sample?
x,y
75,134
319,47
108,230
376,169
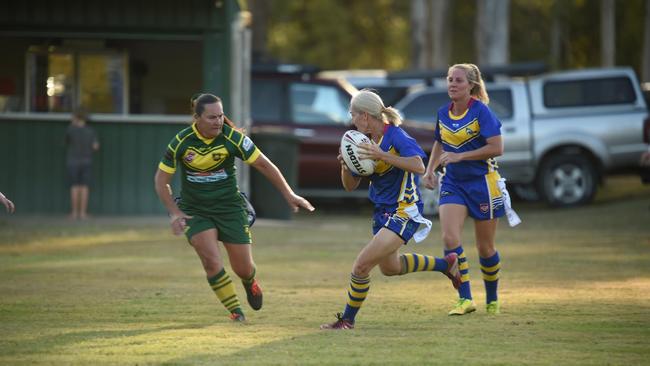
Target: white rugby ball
x,y
350,152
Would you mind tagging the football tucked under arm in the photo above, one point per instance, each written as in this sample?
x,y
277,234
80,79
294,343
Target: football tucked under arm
x,y
350,152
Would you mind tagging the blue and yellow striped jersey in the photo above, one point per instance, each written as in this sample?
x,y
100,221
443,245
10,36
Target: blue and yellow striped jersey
x,y
467,132
390,185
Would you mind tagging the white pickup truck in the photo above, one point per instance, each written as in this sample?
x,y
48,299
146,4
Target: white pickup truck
x,y
563,131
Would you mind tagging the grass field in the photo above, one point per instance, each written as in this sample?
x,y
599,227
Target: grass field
x,y
575,289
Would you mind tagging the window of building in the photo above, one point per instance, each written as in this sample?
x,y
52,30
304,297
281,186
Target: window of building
x,y
58,80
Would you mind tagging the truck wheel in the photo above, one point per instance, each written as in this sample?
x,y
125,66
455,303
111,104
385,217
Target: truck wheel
x,y
525,192
567,180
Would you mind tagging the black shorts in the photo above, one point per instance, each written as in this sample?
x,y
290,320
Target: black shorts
x,y
80,174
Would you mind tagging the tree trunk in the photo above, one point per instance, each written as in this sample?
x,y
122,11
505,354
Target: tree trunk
x,y
556,35
492,33
645,62
440,34
607,33
259,26
419,44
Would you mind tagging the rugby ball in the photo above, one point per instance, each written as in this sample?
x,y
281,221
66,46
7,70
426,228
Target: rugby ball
x,y
350,152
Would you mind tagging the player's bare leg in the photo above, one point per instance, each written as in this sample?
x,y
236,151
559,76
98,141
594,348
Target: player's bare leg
x,y
74,202
83,202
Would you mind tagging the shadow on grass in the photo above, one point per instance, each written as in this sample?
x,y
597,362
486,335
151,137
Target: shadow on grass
x,y
45,344
438,339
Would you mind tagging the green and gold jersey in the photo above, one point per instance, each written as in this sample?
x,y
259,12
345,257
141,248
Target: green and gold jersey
x,y
208,172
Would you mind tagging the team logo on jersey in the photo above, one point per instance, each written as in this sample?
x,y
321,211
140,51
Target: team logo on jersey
x,y
204,160
247,144
469,131
217,156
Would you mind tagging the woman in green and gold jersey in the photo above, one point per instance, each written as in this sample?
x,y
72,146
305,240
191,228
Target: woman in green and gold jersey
x,y
211,208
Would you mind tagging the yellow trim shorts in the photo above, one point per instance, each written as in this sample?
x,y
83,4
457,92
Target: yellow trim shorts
x,y
481,195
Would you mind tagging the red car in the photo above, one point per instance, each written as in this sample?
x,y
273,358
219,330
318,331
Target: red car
x,y
315,110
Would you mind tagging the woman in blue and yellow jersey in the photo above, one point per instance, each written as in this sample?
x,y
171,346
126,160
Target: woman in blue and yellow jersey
x,y
397,206
211,208
467,139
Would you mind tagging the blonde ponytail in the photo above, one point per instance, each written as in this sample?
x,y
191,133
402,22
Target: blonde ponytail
x,y
392,116
371,103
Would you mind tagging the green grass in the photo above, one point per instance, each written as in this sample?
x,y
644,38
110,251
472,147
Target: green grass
x,y
575,290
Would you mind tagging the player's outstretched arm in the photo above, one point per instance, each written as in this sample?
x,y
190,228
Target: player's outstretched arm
x,y
273,174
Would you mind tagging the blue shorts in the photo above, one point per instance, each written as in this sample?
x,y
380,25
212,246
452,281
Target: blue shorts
x,y
391,219
481,196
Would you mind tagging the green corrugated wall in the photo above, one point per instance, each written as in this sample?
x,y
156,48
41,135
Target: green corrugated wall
x,y
32,156
32,151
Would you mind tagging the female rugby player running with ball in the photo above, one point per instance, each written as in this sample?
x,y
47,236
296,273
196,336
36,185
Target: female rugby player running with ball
x,y
397,206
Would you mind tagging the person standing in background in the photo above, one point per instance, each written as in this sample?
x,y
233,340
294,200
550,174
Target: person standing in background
x,y
81,141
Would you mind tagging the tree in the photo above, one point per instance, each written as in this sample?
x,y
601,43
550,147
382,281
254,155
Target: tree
x,y
492,32
440,34
607,32
346,34
341,34
645,63
430,34
556,33
420,34
260,11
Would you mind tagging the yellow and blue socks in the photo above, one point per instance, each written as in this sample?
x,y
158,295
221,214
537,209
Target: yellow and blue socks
x,y
225,290
490,268
464,291
413,262
357,292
